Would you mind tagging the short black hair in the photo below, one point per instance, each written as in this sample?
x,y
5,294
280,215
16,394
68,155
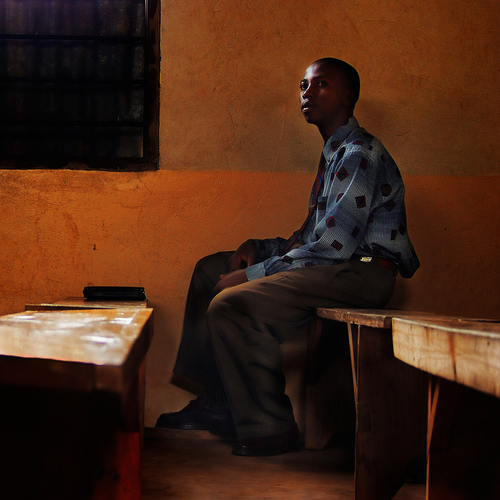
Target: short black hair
x,y
349,72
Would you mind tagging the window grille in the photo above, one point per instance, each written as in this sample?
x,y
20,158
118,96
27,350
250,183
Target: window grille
x,y
78,84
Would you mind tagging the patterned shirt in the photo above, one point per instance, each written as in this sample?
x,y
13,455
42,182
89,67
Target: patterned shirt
x,y
360,211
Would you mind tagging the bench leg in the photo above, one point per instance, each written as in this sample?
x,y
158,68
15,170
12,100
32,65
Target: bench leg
x,y
463,443
391,407
329,404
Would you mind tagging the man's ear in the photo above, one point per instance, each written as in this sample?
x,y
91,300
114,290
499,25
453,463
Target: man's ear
x,y
349,99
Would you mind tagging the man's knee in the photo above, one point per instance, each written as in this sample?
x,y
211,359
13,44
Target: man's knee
x,y
219,304
228,308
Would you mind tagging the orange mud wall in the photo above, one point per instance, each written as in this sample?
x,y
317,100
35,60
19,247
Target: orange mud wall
x,y
237,160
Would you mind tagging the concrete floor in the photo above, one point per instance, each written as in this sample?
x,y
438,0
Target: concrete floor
x,y
192,465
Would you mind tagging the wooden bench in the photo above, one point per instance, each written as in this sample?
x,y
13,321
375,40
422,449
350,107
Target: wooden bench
x,y
71,417
390,399
463,440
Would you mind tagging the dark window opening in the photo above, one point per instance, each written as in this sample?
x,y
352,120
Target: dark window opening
x,y
79,84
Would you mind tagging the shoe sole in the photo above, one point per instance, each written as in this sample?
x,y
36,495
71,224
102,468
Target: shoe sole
x,y
217,431
185,427
245,451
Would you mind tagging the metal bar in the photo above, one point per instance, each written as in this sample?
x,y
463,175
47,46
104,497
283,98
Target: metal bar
x,y
75,81
78,38
71,123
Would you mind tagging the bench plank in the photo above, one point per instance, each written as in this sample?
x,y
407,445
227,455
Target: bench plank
x,y
463,351
375,318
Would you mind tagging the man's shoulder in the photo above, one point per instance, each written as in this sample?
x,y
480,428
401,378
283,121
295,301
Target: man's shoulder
x,y
361,141
363,148
360,137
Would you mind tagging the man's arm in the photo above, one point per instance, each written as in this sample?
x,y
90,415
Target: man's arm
x,y
340,222
231,279
244,256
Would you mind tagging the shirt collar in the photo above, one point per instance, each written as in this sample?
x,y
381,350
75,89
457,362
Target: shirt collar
x,y
338,137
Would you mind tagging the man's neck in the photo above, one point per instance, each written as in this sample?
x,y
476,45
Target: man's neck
x,y
328,131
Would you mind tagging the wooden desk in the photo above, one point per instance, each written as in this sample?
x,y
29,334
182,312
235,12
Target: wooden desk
x,y
71,413
463,440
82,303
389,396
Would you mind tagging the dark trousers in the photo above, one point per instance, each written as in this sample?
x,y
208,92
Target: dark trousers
x,y
232,339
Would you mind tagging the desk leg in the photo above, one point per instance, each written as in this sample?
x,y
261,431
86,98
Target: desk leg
x,y
391,407
62,445
463,443
133,402
120,476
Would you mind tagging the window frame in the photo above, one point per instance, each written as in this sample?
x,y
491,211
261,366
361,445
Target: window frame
x,y
150,158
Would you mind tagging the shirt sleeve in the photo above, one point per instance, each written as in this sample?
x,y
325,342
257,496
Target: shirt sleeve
x,y
340,221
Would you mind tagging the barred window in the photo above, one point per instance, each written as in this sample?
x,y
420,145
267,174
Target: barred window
x,y
79,84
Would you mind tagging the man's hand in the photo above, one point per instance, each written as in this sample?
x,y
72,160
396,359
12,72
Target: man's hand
x,y
231,279
244,256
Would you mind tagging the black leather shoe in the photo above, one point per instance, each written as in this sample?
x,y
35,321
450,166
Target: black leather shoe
x,y
278,444
195,416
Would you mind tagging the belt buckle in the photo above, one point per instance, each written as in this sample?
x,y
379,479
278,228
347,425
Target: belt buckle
x,y
366,259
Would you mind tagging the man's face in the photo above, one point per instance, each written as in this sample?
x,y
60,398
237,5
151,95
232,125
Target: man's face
x,y
324,97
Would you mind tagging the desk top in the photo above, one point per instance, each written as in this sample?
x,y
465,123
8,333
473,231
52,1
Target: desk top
x,y
464,351
83,303
86,349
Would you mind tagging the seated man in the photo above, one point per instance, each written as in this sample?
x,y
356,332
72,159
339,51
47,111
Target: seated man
x,y
241,306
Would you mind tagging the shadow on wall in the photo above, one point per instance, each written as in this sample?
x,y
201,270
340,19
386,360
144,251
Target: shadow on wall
x,y
453,224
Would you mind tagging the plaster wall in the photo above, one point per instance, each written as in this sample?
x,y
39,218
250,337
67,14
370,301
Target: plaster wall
x,y
237,159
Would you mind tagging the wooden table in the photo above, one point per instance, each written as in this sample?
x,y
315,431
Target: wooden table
x,y
390,400
71,415
82,303
463,440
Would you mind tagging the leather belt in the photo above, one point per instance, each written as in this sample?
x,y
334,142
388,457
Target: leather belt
x,y
378,261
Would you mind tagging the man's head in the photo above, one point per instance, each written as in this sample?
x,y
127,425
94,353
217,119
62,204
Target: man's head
x,y
329,92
